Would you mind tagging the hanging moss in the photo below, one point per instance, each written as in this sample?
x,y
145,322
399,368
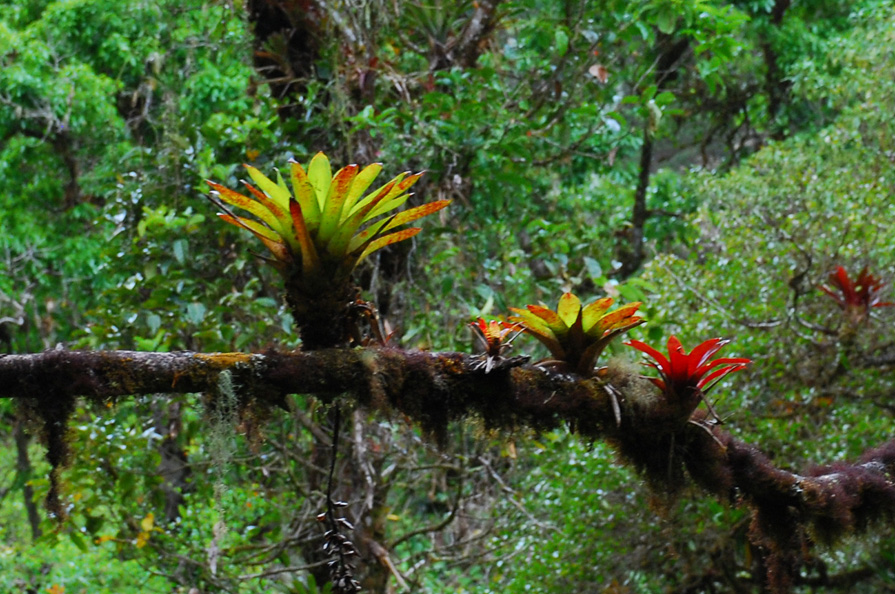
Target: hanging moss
x,y
49,416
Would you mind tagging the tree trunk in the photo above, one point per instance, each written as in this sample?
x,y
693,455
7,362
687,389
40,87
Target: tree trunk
x,y
23,469
670,55
633,257
173,466
776,87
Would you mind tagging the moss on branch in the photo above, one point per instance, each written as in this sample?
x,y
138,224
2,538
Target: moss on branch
x,y
791,512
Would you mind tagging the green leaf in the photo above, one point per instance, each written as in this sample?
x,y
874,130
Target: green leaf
x,y
179,248
342,241
413,214
195,313
594,270
395,197
93,524
664,98
282,225
362,239
359,186
280,195
335,200
245,203
320,175
377,194
388,240
666,19
272,240
593,312
304,193
78,540
561,41
569,308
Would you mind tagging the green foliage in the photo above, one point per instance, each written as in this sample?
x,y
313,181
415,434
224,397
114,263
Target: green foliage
x,y
112,115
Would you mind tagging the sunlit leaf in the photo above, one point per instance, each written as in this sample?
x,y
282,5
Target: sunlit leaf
x,y
304,193
388,240
280,195
359,186
335,200
320,175
246,203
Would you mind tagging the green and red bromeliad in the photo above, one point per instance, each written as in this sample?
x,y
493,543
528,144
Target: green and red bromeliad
x,y
576,335
320,230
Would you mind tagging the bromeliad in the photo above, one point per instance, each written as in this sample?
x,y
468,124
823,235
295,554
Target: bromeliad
x,y
685,378
494,337
576,335
320,230
856,297
320,224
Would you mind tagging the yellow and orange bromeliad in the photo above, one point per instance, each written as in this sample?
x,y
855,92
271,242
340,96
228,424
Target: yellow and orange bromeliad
x,y
321,229
321,222
495,338
577,335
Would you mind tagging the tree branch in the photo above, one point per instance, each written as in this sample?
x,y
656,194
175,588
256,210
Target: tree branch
x,y
790,511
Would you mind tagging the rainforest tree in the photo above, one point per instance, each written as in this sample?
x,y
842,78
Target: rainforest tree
x,y
560,133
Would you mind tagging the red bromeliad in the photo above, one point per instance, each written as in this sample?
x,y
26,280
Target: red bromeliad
x,y
856,297
685,378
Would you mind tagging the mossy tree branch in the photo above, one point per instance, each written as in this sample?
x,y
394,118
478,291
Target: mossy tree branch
x,y
790,511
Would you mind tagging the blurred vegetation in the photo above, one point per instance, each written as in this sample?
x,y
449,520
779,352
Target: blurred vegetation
x,y
715,160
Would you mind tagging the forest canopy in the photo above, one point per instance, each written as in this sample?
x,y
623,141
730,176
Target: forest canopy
x,y
629,331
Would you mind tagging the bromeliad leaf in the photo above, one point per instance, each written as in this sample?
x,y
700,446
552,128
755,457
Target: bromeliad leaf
x,y
684,378
335,200
320,175
495,337
326,225
388,240
361,184
271,240
569,309
304,193
856,297
246,203
279,194
413,214
576,336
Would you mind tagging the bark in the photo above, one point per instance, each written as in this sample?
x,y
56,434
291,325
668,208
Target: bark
x,y
287,37
63,144
790,512
173,466
671,53
635,255
475,33
776,87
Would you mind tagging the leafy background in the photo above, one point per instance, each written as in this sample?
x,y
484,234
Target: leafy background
x,y
767,139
